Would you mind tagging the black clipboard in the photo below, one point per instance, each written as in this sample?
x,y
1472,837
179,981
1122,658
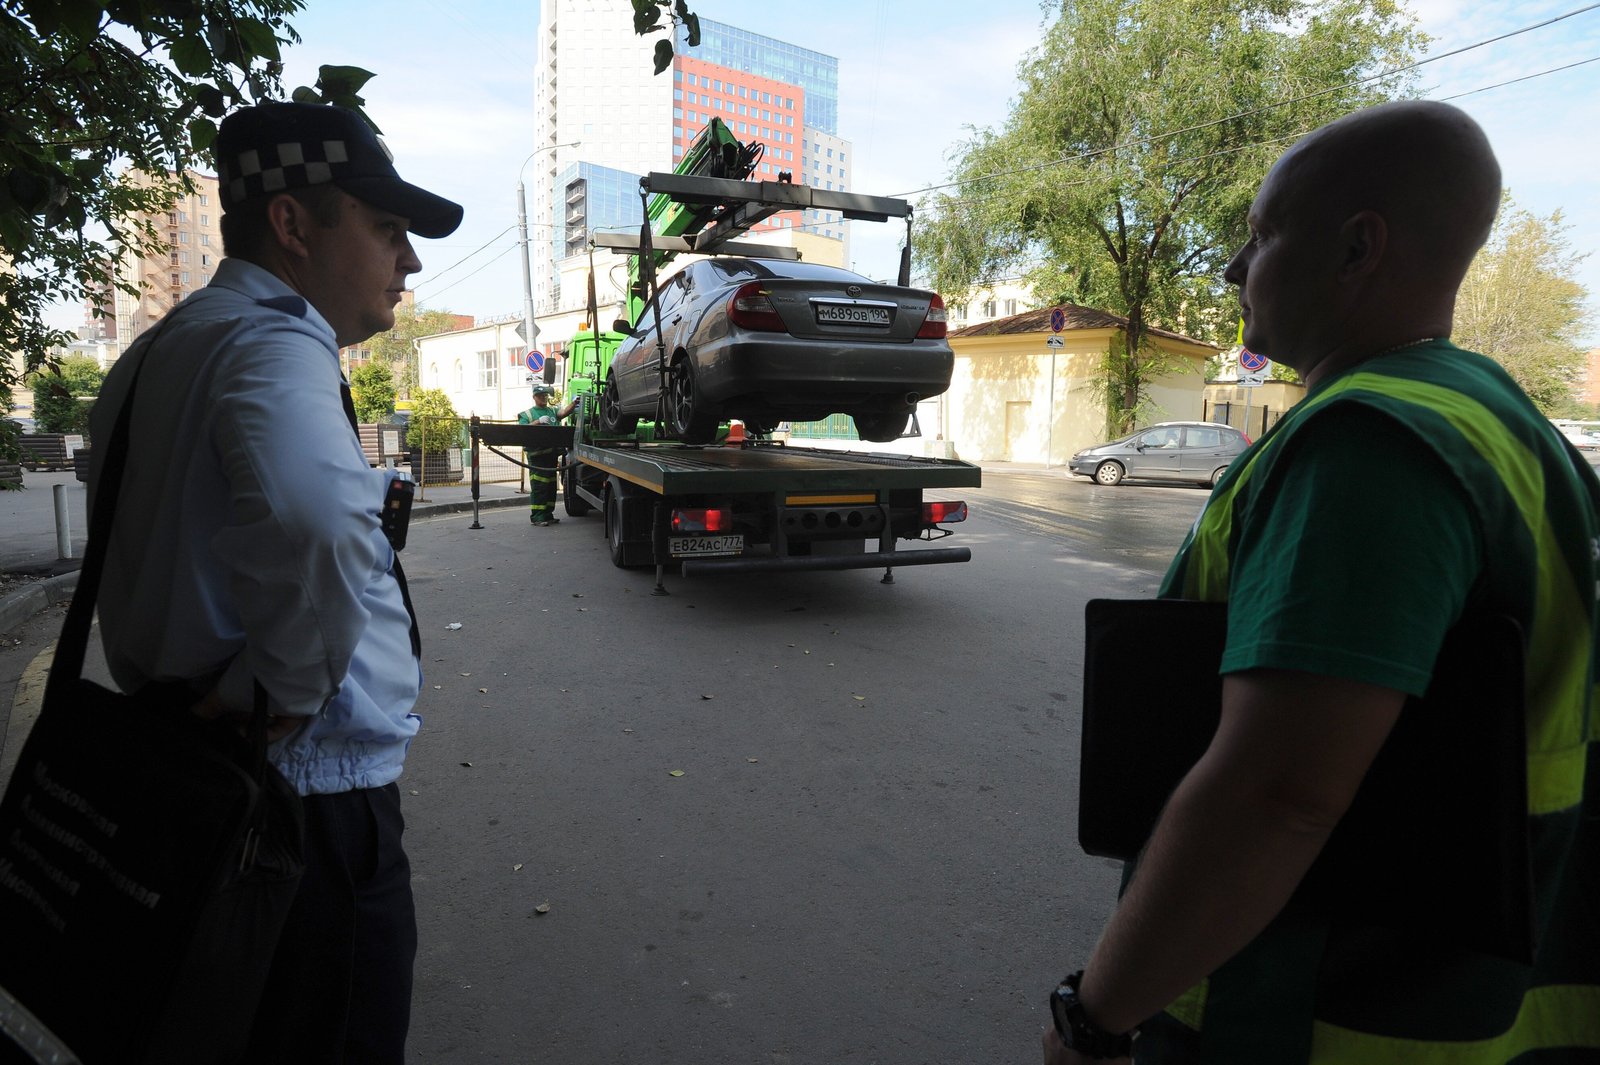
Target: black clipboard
x,y
1436,841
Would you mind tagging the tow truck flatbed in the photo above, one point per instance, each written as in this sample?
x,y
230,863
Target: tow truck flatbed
x,y
677,469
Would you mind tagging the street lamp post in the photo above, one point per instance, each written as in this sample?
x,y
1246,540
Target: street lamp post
x,y
530,328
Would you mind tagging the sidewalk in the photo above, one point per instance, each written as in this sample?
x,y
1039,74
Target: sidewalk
x,y
28,545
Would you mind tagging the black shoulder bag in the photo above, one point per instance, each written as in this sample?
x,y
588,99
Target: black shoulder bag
x,y
148,859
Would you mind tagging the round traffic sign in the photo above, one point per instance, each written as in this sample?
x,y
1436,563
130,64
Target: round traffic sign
x,y
1249,360
535,360
1058,320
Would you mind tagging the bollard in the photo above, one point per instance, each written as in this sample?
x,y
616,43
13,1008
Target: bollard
x,y
63,521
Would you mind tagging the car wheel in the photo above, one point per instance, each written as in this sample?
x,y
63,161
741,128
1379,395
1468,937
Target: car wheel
x,y
1217,476
575,505
687,414
881,428
1108,473
612,420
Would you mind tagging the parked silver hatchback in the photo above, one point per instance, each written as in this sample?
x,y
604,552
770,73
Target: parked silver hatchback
x,y
1196,452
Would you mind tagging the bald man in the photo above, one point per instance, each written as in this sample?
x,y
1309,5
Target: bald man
x,y
1414,484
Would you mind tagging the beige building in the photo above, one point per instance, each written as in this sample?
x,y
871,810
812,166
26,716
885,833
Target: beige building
x,y
1024,392
193,247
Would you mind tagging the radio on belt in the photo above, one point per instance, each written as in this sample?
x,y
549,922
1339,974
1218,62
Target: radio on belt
x,y
396,515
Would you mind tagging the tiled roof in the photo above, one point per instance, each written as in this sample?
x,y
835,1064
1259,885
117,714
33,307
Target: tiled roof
x,y
1077,318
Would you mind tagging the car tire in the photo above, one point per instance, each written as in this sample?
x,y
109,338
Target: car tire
x,y
1216,475
575,505
688,415
614,526
880,428
612,421
1108,474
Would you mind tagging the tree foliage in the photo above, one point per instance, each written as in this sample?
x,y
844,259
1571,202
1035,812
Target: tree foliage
x,y
57,407
372,390
398,348
1520,306
102,112
648,16
1141,133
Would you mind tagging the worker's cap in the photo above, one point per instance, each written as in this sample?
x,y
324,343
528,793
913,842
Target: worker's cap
x,y
543,390
271,148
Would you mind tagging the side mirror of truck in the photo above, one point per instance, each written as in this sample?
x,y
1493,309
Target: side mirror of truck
x,y
621,325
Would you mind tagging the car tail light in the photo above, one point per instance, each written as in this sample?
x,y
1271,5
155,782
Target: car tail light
x,y
935,513
934,325
1247,440
751,307
701,520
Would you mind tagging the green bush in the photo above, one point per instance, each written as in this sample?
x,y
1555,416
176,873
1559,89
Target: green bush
x,y
372,389
434,422
56,406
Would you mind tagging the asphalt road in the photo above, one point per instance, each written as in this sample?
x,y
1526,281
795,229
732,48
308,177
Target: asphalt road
x,y
869,855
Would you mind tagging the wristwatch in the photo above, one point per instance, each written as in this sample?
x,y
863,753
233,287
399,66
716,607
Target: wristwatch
x,y
1075,1030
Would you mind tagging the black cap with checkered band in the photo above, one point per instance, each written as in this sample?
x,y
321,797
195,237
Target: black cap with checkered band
x,y
271,148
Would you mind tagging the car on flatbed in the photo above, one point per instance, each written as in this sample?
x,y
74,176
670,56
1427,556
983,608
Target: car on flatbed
x,y
768,341
1196,452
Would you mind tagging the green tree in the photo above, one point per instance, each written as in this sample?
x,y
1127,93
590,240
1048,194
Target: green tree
x,y
1520,306
1143,128
372,390
398,348
102,112
56,404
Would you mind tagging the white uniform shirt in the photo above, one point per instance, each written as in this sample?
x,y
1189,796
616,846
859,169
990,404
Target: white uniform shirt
x,y
247,544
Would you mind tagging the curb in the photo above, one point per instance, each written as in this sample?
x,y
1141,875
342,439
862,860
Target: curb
x,y
22,605
428,510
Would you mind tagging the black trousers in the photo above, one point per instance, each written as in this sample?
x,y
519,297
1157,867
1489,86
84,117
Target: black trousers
x,y
340,988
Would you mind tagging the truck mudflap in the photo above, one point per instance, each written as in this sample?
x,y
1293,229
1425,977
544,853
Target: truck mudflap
x,y
933,556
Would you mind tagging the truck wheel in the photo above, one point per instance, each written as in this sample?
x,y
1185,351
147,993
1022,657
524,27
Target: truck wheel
x,y
614,527
688,415
575,505
612,421
881,428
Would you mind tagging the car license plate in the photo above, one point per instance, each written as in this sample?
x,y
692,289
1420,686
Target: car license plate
x,y
704,546
851,314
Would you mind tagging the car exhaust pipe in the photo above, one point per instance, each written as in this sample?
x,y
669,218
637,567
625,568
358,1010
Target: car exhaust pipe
x,y
912,399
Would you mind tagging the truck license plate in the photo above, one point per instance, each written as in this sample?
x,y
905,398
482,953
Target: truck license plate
x,y
704,546
850,314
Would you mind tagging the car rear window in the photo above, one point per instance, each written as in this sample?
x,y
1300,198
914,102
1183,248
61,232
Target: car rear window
x,y
783,268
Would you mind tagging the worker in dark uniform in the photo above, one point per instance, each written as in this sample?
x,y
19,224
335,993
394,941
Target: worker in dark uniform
x,y
542,461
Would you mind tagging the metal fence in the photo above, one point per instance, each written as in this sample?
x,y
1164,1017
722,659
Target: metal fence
x,y
451,464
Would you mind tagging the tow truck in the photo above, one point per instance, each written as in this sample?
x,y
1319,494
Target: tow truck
x,y
750,502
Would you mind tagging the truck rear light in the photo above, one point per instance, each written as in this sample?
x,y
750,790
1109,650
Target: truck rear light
x,y
935,325
935,513
751,307
701,520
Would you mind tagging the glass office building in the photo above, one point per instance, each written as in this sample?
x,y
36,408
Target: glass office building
x,y
589,197
753,53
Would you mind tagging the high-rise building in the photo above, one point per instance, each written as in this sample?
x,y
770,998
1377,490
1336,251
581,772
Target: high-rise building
x,y
193,246
595,87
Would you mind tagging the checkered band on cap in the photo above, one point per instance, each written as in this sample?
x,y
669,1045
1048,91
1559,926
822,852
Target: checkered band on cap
x,y
288,165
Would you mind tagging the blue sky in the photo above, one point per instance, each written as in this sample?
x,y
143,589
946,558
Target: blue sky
x,y
454,93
